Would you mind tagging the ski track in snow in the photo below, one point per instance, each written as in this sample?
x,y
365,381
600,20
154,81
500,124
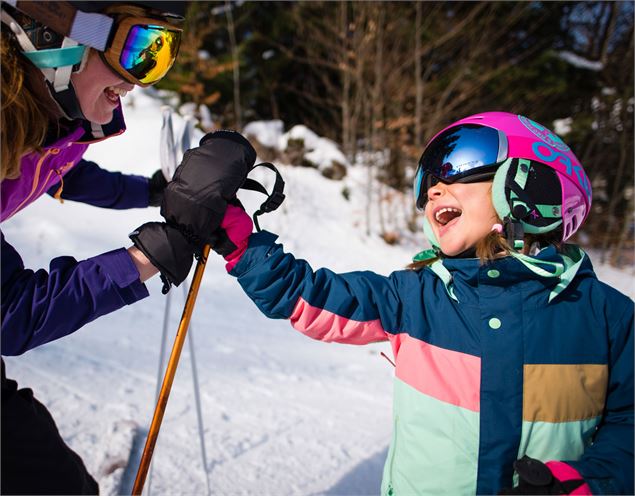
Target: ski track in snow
x,y
283,414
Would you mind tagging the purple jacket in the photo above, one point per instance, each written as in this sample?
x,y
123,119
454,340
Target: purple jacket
x,y
38,307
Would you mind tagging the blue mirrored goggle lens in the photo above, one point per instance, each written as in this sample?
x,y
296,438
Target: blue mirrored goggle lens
x,y
457,153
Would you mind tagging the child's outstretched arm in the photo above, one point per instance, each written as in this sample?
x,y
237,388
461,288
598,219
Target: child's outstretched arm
x,y
354,308
200,202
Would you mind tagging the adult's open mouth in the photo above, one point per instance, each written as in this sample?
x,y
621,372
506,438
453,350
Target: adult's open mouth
x,y
113,93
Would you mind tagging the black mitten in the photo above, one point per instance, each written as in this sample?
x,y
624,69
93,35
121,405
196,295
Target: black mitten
x,y
156,186
167,250
534,477
208,177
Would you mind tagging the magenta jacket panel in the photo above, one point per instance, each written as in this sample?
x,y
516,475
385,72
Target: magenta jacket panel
x,y
40,171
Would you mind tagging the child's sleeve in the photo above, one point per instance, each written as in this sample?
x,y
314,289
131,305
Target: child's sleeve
x,y
353,308
607,464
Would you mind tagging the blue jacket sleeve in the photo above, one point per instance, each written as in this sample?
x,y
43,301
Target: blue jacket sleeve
x,y
88,183
607,464
354,308
38,307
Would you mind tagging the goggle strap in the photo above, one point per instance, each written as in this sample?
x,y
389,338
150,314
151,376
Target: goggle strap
x,y
91,29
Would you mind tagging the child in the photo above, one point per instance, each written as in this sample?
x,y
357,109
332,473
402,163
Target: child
x,y
514,364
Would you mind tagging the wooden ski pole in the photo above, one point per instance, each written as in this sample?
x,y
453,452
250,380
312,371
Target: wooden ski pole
x,y
170,372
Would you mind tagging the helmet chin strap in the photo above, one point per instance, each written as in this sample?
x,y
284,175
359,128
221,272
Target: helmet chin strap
x,y
67,102
56,65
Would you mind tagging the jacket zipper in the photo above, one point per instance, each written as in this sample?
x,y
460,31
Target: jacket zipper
x,y
59,172
58,193
391,491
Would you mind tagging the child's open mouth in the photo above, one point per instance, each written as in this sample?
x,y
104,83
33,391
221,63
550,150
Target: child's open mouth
x,y
447,217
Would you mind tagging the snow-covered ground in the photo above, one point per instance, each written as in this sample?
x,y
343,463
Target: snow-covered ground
x,y
282,414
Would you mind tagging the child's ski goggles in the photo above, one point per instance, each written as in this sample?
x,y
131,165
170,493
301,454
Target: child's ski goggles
x,y
467,153
142,50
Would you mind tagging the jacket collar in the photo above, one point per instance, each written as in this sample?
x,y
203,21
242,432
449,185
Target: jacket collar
x,y
91,132
554,270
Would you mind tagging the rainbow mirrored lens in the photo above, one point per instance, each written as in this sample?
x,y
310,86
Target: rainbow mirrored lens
x,y
149,52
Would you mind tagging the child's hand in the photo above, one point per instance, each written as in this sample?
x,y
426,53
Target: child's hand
x,y
232,237
536,477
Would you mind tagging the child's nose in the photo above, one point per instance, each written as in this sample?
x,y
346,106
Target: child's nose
x,y
436,188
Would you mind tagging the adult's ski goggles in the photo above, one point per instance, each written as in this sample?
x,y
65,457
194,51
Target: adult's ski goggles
x,y
467,153
143,49
140,49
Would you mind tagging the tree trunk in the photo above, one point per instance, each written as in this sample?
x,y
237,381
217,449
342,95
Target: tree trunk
x,y
616,192
608,31
376,127
346,84
236,70
418,80
616,252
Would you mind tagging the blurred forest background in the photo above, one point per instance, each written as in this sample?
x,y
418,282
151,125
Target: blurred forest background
x,y
380,78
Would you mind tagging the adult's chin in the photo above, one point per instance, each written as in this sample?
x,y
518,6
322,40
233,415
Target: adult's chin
x,y
101,118
100,112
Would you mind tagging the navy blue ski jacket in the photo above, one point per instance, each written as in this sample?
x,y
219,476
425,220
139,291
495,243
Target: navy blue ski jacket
x,y
489,366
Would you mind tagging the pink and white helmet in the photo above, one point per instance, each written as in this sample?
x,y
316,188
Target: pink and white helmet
x,y
538,181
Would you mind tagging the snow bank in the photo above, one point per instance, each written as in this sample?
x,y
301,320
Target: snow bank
x,y
321,152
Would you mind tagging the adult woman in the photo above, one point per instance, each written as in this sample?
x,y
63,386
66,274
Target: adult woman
x,y
65,66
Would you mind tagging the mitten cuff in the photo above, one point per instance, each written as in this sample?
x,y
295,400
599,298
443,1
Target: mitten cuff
x,y
238,227
167,250
234,257
564,472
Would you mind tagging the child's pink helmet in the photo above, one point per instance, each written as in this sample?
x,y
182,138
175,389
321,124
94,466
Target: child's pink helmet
x,y
538,182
